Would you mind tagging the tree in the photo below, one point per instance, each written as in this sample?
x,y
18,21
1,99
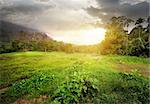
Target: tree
x,y
116,38
139,39
119,41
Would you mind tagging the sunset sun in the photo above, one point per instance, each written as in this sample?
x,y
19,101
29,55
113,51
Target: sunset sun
x,y
88,36
92,36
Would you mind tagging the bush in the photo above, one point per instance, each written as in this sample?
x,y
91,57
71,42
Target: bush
x,y
133,88
37,85
77,89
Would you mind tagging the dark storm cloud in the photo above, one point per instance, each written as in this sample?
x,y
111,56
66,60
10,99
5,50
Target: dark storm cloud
x,y
28,9
108,3
136,11
109,8
21,8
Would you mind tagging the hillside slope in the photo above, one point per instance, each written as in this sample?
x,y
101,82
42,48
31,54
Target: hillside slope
x,y
10,31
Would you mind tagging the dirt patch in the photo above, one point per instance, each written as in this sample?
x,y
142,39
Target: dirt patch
x,y
3,90
143,69
4,58
21,101
38,100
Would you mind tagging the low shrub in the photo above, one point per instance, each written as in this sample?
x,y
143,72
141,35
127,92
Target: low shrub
x,y
132,88
77,89
35,86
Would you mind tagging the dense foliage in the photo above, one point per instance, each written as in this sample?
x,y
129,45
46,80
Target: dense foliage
x,y
119,40
33,45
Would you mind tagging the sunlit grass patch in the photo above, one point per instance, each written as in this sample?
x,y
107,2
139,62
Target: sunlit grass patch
x,y
30,75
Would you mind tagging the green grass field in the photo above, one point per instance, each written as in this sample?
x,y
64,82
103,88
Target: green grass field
x,y
60,78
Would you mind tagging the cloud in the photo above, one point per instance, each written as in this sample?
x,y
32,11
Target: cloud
x,y
132,1
48,15
43,0
135,11
109,8
22,8
108,3
69,14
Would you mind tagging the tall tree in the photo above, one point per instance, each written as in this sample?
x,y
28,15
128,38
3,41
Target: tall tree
x,y
116,38
139,38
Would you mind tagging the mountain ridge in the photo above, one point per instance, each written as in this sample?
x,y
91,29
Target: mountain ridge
x,y
10,31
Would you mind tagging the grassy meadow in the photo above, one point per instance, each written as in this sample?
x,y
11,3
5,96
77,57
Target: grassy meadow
x,y
74,52
61,78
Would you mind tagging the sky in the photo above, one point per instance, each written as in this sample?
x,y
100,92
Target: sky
x,y
72,21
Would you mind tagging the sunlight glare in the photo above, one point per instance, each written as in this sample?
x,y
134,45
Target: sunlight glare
x,y
92,36
81,37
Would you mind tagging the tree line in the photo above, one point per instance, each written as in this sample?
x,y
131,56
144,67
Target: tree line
x,y
118,40
36,41
33,45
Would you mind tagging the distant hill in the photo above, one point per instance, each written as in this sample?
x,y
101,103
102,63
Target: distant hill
x,y
10,31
